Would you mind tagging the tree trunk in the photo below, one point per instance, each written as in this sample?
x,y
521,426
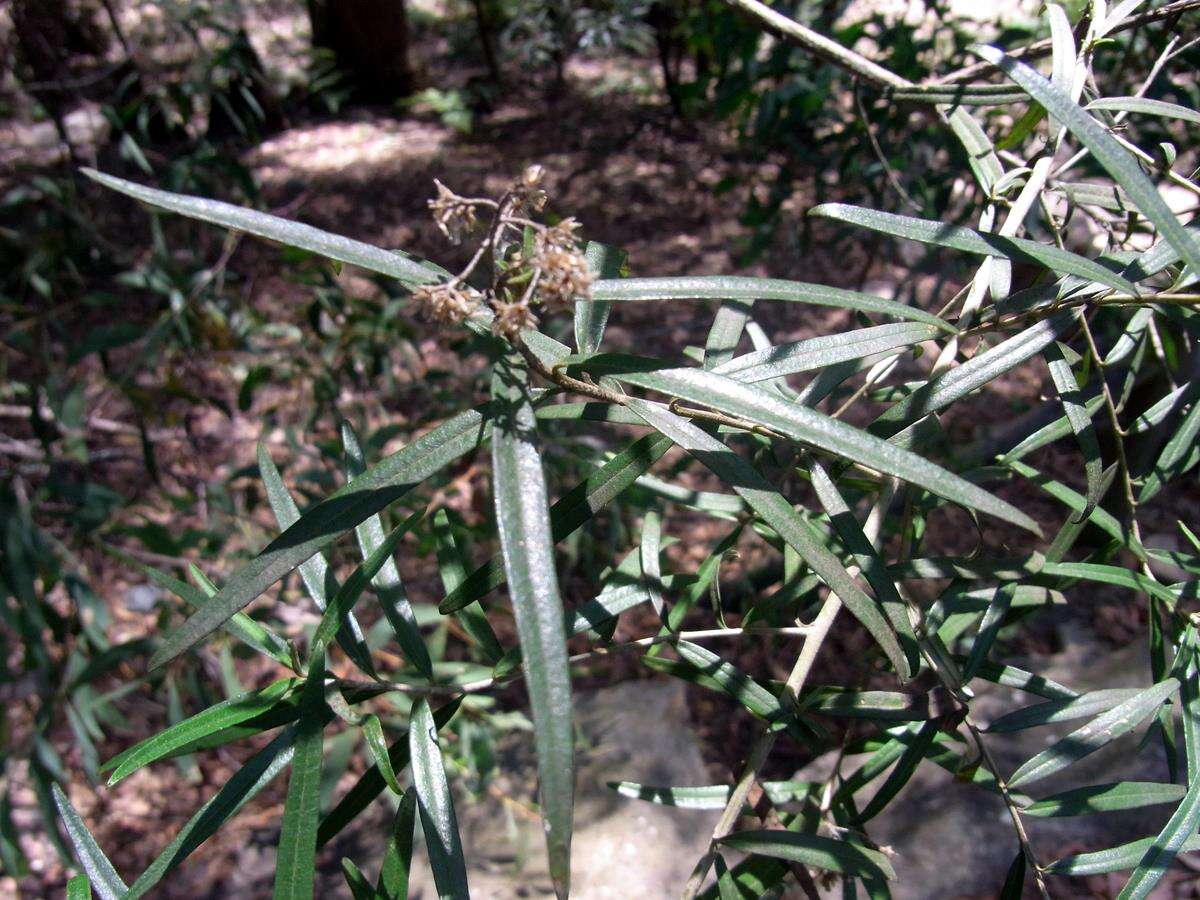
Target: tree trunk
x,y
369,40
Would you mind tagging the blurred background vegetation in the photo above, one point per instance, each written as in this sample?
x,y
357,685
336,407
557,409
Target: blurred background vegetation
x,y
141,357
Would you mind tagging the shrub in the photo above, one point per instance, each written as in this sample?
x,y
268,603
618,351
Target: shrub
x,y
846,508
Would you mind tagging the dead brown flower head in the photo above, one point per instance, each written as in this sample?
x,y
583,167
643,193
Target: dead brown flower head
x,y
455,217
444,304
565,276
512,317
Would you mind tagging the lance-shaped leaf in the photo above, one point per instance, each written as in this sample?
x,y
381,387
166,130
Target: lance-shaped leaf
x,y
437,809
958,382
388,586
813,850
348,594
296,861
1095,734
1146,106
223,715
765,500
825,350
711,796
592,315
651,571
397,859
906,766
983,243
258,771
1112,575
726,332
293,234
100,871
79,888
1177,456
572,510
1104,147
241,626
808,426
1100,798
738,287
1063,710
371,784
1081,423
372,491
314,572
450,558
869,561
527,546
1114,859
1184,821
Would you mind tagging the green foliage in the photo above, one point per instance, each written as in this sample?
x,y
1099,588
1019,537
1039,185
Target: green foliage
x,y
842,510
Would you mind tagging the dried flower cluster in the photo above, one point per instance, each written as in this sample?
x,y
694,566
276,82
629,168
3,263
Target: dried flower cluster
x,y
548,271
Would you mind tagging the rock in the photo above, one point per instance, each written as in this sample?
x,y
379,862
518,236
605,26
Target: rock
x,y
636,731
141,598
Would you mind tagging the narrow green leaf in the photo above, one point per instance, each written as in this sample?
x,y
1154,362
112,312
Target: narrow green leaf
x,y
372,491
397,859
295,863
1095,734
651,572
1147,107
1080,707
1184,821
726,332
592,315
293,234
360,888
571,511
371,784
222,715
1100,798
989,628
869,561
1177,456
1011,676
713,796
780,515
451,565
79,888
728,678
372,730
954,384
241,626
813,850
259,771
825,350
1080,421
389,588
527,545
100,872
1104,147
808,426
1114,859
736,287
1115,575
348,594
1014,881
984,243
436,807
906,766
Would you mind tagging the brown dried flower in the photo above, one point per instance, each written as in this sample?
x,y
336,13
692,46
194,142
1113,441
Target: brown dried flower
x,y
454,216
565,276
527,191
512,317
444,304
